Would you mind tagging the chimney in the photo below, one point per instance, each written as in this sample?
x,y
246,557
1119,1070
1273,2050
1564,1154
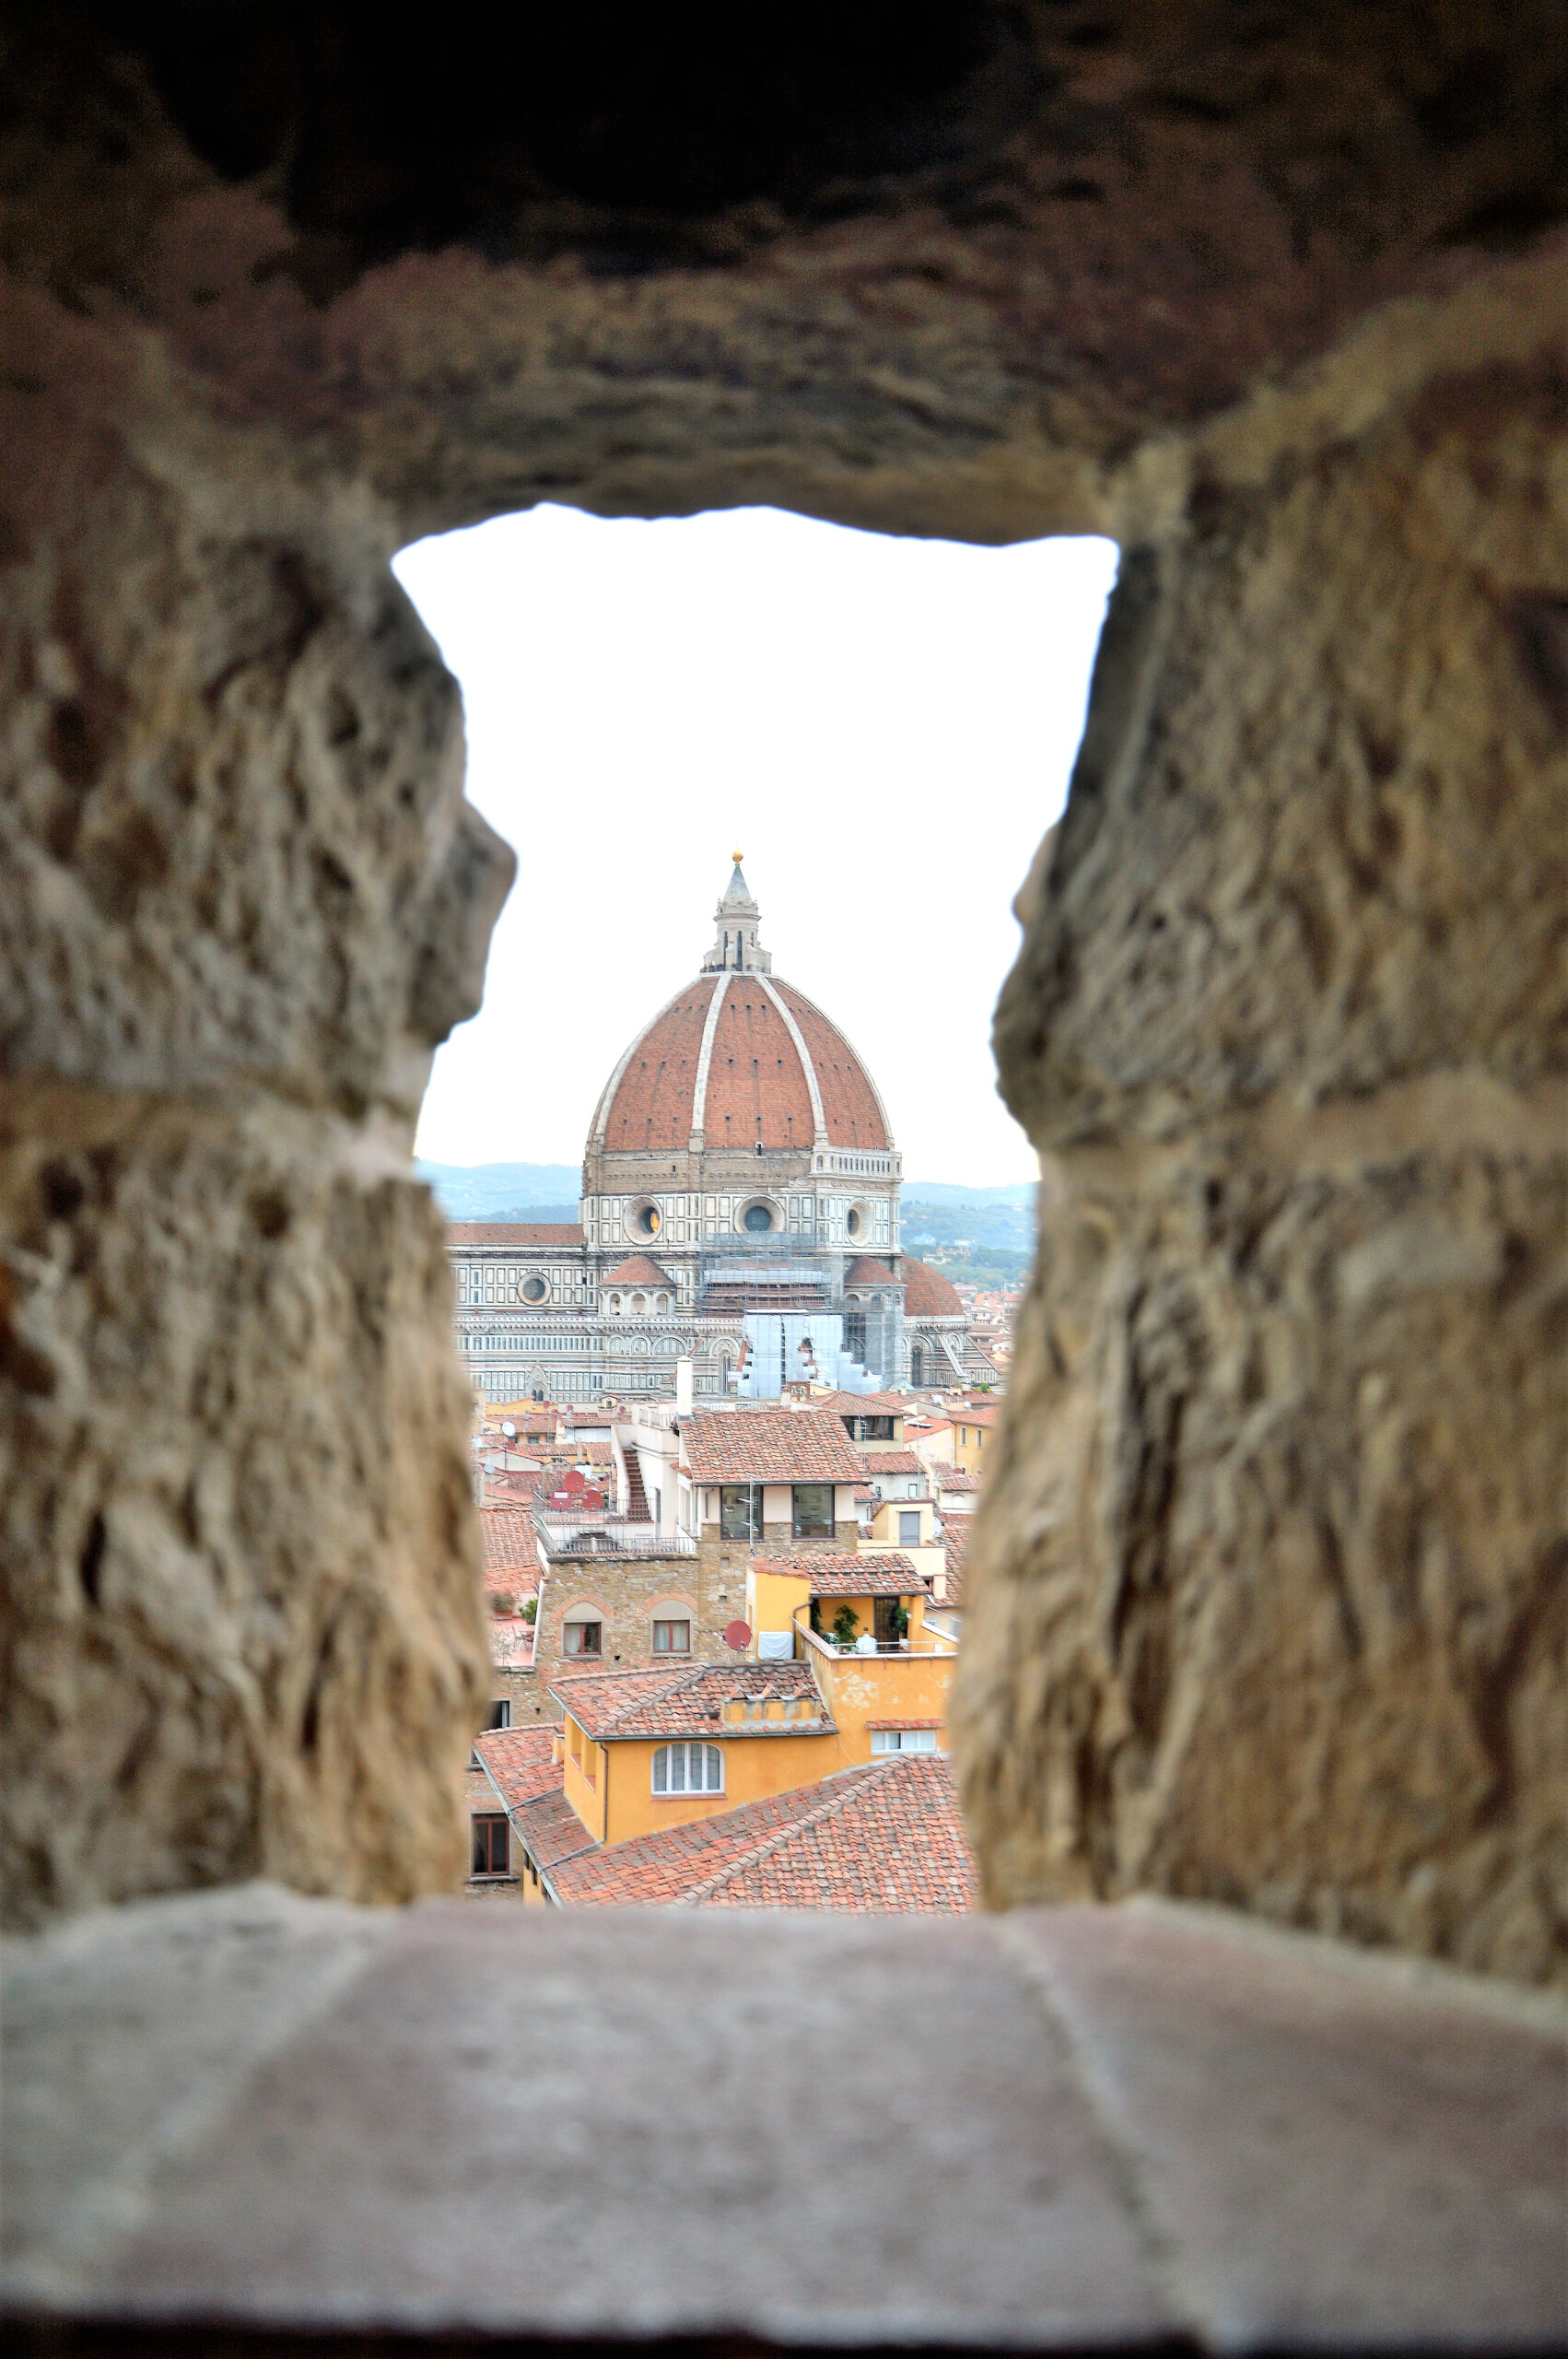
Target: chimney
x,y
682,1388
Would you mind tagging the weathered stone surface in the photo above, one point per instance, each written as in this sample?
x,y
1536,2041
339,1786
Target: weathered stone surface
x,y
1081,2127
243,1633
1281,2103
1265,1606
1274,1574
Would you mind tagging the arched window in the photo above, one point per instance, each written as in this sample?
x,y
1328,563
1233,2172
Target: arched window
x,y
639,1304
689,1769
916,1366
663,1304
615,1302
582,1632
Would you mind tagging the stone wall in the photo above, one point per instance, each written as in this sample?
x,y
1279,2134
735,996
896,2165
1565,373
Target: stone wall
x,y
1265,1603
1269,1602
626,1593
240,898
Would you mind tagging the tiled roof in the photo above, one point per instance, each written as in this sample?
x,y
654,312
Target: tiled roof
x,y
890,1462
521,1234
955,1543
957,1479
507,1543
865,1404
906,1724
768,1446
885,1574
552,1831
863,1271
884,1837
639,1270
985,1413
927,1294
757,1088
611,1704
520,1763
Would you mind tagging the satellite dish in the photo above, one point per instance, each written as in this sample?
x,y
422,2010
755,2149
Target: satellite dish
x,y
509,1429
737,1635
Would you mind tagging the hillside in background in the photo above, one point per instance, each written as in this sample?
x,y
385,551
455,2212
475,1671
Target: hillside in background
x,y
985,1218
537,1192
982,1235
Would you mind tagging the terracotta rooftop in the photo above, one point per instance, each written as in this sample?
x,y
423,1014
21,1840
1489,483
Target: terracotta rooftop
x,y
927,1294
863,1271
521,1764
523,1234
982,1413
891,1461
865,1404
957,1479
639,1270
886,1574
612,1705
768,1446
508,1542
551,1830
882,1839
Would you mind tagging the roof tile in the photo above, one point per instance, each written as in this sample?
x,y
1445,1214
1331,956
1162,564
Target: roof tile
x,y
883,1837
768,1446
612,1705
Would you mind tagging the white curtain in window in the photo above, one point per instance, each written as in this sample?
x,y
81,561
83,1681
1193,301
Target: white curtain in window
x,y
689,1769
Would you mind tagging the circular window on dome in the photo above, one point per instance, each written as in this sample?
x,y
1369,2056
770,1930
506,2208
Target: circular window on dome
x,y
646,1220
534,1289
858,1220
757,1217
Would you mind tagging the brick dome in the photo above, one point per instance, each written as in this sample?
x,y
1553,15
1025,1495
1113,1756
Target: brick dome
x,y
736,1059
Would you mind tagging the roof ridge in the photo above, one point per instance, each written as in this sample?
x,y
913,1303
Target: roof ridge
x,y
682,1679
771,1843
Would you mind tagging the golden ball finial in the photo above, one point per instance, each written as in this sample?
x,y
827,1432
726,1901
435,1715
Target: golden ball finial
x,y
737,857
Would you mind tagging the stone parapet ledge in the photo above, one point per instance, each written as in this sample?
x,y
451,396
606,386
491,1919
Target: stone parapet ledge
x,y
249,2116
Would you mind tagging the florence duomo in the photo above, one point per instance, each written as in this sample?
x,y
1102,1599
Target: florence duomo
x,y
739,1208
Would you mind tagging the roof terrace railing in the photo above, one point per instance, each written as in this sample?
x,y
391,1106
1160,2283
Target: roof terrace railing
x,y
604,1535
887,1649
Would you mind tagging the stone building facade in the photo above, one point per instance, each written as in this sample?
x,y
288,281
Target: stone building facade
x,y
739,1208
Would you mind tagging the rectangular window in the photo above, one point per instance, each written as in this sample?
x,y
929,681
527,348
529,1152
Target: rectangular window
x,y
903,1740
812,1518
492,1853
740,1511
909,1527
689,1769
501,1713
585,1638
672,1637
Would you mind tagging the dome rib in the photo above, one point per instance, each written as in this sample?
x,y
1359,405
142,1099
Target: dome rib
x,y
852,1107
733,1059
648,1100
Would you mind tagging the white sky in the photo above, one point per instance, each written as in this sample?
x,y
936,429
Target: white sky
x,y
884,727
